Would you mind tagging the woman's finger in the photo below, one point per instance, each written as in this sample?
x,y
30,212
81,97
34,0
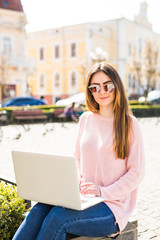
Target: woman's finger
x,y
86,184
88,192
88,189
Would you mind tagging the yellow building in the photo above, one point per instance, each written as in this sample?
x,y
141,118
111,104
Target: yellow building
x,y
14,65
62,58
64,55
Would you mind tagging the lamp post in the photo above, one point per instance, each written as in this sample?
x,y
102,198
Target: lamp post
x,y
98,55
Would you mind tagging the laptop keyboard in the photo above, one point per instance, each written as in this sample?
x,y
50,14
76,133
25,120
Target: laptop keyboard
x,y
85,199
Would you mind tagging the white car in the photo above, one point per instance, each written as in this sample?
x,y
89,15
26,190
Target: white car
x,y
77,98
151,96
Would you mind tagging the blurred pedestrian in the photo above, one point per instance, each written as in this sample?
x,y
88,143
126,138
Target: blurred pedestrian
x,y
79,109
43,99
71,113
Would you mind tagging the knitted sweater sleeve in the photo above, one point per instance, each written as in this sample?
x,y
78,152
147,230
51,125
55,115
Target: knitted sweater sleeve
x,y
77,145
129,182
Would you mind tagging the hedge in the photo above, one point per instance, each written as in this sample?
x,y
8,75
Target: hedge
x,y
146,110
12,210
139,110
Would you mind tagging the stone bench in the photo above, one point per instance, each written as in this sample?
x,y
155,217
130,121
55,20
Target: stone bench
x,y
129,233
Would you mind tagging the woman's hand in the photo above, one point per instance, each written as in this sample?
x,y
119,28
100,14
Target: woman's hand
x,y
90,189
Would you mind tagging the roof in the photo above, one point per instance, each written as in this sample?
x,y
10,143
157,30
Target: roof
x,y
14,5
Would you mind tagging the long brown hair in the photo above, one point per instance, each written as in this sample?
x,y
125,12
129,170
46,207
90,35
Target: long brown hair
x,y
122,119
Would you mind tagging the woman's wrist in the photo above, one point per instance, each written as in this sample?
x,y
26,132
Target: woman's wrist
x,y
100,190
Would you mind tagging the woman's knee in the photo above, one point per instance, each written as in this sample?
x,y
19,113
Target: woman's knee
x,y
57,219
57,216
39,210
52,226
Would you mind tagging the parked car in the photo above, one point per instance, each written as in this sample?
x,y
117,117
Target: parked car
x,y
23,101
155,101
153,97
77,98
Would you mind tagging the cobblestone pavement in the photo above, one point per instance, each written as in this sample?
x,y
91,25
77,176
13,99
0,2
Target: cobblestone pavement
x,y
60,138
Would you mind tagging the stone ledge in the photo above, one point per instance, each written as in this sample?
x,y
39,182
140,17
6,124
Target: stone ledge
x,y
129,233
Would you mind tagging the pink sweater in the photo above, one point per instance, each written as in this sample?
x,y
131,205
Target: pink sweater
x,y
118,179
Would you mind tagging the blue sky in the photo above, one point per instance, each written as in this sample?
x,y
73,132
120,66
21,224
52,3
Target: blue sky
x,y
46,14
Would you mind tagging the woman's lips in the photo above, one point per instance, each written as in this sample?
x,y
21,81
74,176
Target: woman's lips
x,y
103,98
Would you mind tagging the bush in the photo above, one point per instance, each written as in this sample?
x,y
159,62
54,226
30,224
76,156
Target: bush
x,y
146,110
135,102
12,210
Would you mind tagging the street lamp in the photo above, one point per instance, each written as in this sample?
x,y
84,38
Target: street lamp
x,y
98,55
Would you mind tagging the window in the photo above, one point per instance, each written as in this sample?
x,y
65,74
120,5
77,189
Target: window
x,y
57,52
129,80
57,80
73,80
129,49
140,45
73,50
56,84
41,53
6,46
42,83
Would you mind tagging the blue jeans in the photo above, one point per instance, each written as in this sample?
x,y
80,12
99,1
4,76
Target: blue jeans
x,y
46,222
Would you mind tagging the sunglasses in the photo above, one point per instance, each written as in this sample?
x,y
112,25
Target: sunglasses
x,y
108,88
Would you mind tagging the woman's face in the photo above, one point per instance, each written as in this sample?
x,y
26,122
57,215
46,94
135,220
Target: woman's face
x,y
103,98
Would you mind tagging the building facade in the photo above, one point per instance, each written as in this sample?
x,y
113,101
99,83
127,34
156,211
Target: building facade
x,y
64,55
62,58
14,64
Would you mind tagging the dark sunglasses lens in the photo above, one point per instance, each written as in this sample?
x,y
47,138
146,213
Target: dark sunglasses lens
x,y
106,87
93,89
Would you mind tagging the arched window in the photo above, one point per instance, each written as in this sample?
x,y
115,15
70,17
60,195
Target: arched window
x,y
41,53
57,80
129,80
56,83
129,49
42,83
73,82
56,51
56,86
7,46
73,50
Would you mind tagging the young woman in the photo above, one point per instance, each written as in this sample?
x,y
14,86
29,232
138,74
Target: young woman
x,y
109,153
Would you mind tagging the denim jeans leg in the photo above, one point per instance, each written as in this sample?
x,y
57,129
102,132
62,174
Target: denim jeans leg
x,y
31,225
96,221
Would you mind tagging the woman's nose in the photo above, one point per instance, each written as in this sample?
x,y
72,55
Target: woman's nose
x,y
102,89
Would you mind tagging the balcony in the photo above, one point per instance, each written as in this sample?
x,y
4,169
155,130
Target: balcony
x,y
22,64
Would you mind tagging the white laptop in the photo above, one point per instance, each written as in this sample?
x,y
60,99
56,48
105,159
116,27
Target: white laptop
x,y
50,179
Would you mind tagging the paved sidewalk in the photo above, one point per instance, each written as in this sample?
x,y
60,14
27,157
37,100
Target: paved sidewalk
x,y
60,138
